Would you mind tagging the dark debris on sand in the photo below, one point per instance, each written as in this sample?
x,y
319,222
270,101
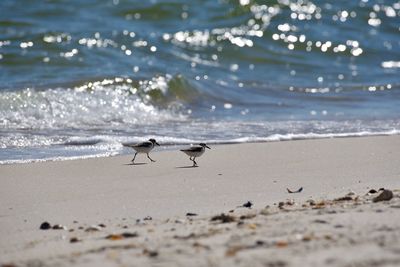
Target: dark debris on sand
x,y
223,218
385,195
122,236
294,191
248,205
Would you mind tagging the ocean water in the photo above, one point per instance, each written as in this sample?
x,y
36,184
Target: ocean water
x,y
81,78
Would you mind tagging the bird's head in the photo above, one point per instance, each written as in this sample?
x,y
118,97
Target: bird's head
x,y
204,145
154,141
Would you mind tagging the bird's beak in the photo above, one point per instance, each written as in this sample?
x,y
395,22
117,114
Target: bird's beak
x,y
208,147
157,144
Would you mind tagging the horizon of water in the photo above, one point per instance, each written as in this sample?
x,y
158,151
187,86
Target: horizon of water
x,y
80,79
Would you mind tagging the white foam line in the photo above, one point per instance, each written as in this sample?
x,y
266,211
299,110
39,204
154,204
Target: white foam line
x,y
288,137
16,161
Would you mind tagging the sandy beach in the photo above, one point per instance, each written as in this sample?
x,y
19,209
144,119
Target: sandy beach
x,y
112,213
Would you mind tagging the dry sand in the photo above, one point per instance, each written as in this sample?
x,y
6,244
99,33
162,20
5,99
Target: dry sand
x,y
108,191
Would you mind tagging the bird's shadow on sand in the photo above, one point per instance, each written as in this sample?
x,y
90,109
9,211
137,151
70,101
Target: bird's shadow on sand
x,y
186,167
133,164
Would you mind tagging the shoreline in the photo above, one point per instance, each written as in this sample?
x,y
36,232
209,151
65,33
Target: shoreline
x,y
110,191
172,146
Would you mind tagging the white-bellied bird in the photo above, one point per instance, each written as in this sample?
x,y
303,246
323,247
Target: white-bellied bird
x,y
195,152
144,148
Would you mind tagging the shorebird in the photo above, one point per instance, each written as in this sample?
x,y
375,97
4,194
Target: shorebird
x,y
195,152
145,148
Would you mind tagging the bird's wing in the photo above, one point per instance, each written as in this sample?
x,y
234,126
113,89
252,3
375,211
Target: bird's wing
x,y
192,149
143,144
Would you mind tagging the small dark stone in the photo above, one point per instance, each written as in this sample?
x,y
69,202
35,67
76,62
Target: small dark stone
x,y
147,218
58,227
248,204
45,226
129,235
260,243
385,195
372,191
191,214
381,189
74,240
281,204
102,225
232,211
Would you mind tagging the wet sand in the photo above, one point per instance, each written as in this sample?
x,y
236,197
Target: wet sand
x,y
142,208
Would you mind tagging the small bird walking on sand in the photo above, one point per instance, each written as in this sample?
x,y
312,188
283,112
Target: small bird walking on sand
x,y
144,148
195,152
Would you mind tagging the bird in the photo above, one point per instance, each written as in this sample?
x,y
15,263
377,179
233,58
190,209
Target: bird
x,y
195,152
145,148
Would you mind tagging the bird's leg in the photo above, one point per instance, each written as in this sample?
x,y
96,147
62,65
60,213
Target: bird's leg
x,y
133,160
150,158
192,159
194,162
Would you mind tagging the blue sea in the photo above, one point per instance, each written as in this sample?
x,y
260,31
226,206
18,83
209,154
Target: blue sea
x,y
79,79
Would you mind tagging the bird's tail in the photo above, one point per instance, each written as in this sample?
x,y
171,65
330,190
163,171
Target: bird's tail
x,y
128,145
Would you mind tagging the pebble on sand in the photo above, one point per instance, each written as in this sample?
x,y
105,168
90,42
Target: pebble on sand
x,y
59,227
385,195
74,240
248,205
45,226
